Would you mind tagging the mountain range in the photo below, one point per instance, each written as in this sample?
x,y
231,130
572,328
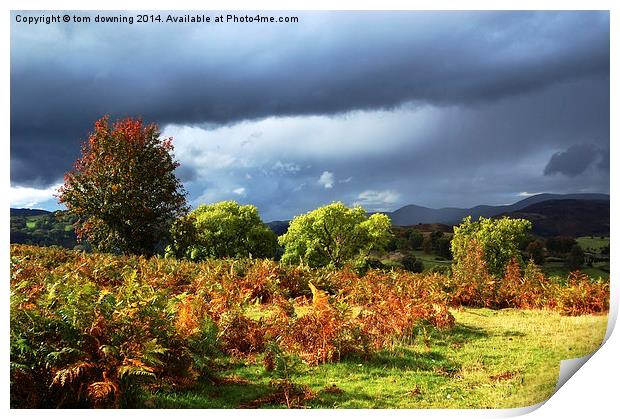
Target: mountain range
x,y
567,217
551,215
415,214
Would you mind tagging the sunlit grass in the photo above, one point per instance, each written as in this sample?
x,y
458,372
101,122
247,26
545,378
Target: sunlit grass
x,y
593,243
490,359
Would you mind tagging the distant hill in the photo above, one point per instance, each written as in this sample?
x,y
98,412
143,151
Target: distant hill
x,y
415,214
570,217
427,228
42,228
27,212
278,227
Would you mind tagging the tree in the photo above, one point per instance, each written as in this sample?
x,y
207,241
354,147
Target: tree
x,y
223,229
123,189
415,238
334,234
427,244
411,264
397,243
442,247
575,258
560,245
536,252
499,240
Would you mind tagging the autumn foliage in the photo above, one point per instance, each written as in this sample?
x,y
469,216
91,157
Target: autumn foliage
x,y
97,329
526,287
123,188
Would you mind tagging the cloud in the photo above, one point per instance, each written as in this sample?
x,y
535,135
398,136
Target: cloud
x,y
239,191
432,156
286,167
27,197
439,108
326,180
377,200
64,77
574,161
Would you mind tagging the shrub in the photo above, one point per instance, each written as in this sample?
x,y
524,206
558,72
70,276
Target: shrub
x,y
582,295
334,235
499,239
470,283
224,229
575,258
536,252
97,330
411,264
78,343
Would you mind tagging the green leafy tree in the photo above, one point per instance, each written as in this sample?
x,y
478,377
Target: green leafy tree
x,y
499,240
334,234
123,189
223,229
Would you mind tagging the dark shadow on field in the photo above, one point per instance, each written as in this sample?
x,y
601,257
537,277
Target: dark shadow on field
x,y
513,333
229,390
210,395
459,334
383,364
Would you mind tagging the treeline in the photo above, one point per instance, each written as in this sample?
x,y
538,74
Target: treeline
x,y
227,229
47,229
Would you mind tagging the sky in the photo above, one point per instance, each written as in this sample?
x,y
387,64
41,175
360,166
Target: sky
x,y
380,109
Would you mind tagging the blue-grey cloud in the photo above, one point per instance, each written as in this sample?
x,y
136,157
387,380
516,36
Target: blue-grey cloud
x,y
464,96
576,159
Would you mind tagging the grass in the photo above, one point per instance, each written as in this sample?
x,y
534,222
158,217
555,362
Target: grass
x,y
593,243
599,269
430,260
490,359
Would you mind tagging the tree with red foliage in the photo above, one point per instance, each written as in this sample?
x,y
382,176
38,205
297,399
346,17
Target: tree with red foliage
x,y
123,188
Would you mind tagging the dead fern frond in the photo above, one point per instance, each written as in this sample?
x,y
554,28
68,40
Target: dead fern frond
x,y
101,391
135,368
319,297
72,373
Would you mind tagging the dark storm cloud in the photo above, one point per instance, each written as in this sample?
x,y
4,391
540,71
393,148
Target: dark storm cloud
x,y
66,76
427,155
576,159
186,173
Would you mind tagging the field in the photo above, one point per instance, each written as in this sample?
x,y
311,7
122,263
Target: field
x,y
430,260
490,359
97,330
49,229
593,243
596,249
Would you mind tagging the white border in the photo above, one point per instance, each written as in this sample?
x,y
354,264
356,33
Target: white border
x,y
593,390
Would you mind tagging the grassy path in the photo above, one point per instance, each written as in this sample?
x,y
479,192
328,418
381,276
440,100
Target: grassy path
x,y
490,359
